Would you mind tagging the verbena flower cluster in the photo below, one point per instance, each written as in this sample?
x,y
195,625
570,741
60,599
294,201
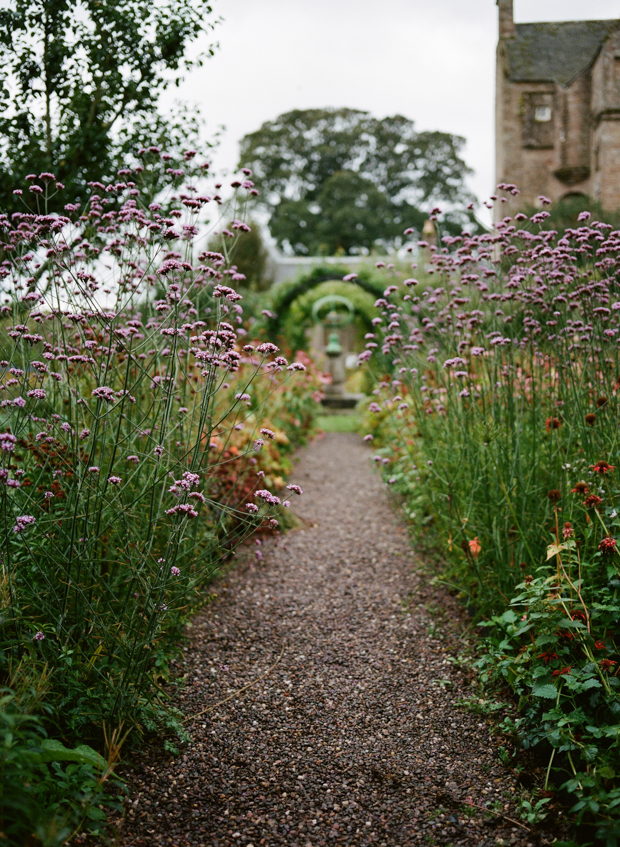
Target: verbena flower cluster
x,y
497,420
130,399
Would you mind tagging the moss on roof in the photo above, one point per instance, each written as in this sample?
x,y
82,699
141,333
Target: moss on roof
x,y
555,52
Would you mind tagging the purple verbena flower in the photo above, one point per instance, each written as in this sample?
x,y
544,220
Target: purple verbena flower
x,y
23,521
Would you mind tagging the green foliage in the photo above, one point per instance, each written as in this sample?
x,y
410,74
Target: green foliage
x,y
130,441
79,84
246,251
281,298
340,181
46,790
499,420
300,318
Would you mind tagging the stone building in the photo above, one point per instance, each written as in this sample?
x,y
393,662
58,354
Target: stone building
x,y
557,109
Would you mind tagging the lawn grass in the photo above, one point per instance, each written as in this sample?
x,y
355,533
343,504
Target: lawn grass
x,y
339,423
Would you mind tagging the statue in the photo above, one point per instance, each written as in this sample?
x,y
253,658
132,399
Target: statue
x,y
341,313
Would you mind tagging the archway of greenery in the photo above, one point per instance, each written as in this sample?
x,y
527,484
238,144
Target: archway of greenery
x,y
283,297
299,318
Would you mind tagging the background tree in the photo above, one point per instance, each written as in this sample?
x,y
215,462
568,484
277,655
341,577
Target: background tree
x,y
247,251
80,80
340,180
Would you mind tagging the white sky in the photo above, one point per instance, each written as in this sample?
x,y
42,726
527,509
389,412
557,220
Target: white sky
x,y
430,60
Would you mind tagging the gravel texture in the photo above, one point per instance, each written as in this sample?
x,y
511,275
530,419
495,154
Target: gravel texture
x,y
355,737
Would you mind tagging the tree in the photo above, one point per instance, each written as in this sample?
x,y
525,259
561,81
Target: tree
x,y
80,80
340,180
247,251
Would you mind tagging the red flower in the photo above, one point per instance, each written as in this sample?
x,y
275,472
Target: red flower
x,y
590,418
602,467
578,616
600,645
554,495
608,545
581,488
607,664
552,423
563,671
548,656
592,501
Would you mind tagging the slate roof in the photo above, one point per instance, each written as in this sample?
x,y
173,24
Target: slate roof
x,y
555,52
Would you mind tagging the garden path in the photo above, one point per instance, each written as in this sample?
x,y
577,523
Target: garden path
x,y
354,737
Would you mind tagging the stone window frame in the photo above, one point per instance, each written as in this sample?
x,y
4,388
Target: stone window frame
x,y
537,134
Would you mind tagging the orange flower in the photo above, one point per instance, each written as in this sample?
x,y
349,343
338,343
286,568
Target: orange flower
x,y
553,423
474,547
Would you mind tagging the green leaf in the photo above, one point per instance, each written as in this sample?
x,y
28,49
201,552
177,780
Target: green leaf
x,y
548,691
53,750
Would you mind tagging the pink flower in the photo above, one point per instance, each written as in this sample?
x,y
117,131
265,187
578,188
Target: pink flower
x,y
22,522
7,441
175,571
267,496
104,393
183,509
114,480
294,488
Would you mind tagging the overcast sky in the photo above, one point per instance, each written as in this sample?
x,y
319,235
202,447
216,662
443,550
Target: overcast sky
x,y
430,60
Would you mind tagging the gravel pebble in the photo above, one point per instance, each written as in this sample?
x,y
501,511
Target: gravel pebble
x,y
355,736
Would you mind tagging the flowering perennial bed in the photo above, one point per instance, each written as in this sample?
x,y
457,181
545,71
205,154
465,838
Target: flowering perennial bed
x,y
140,438
498,425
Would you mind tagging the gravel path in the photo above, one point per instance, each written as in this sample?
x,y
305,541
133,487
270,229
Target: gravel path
x,y
354,737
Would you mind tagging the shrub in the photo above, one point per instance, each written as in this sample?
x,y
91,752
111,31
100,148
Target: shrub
x,y
499,425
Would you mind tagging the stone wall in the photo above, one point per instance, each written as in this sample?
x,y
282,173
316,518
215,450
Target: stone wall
x,y
558,139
